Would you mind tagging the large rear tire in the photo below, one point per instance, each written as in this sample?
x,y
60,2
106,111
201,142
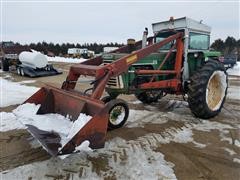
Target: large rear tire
x,y
207,90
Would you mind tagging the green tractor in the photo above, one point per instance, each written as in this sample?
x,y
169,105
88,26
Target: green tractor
x,y
176,60
203,76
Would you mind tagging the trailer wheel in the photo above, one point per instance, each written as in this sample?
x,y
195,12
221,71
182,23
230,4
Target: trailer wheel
x,y
19,71
207,90
148,97
5,65
118,113
22,72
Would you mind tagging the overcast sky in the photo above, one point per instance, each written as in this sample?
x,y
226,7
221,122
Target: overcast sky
x,y
76,22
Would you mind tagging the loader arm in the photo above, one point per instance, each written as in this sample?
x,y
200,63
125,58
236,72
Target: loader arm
x,y
102,74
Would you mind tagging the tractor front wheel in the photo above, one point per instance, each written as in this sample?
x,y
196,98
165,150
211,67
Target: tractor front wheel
x,y
207,90
118,113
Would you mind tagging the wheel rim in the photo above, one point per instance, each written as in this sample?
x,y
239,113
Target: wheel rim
x,y
117,115
216,90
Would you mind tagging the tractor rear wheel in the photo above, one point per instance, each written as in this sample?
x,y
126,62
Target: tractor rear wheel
x,y
207,90
118,113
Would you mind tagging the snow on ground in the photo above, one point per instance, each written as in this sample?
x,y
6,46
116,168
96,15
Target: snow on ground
x,y
235,71
9,122
66,60
124,158
124,161
233,92
27,82
139,118
230,151
145,116
14,93
236,160
84,146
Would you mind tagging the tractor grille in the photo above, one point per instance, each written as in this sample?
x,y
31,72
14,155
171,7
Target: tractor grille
x,y
114,82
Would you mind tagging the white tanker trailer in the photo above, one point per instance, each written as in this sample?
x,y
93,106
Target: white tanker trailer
x,y
34,64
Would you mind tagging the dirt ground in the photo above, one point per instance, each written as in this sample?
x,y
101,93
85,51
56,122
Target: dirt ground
x,y
212,153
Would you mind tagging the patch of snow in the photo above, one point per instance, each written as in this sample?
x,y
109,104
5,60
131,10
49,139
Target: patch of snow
x,y
235,71
199,145
237,160
237,142
136,102
14,93
78,124
7,76
65,60
84,146
224,138
66,129
230,151
9,122
207,126
27,82
26,113
183,136
233,92
154,166
137,118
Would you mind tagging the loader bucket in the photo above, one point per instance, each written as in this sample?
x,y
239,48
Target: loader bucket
x,y
70,104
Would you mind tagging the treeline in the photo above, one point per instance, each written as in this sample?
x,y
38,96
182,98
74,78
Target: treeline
x,y
61,49
228,46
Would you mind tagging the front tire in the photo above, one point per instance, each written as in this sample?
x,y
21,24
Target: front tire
x,y
118,113
207,90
